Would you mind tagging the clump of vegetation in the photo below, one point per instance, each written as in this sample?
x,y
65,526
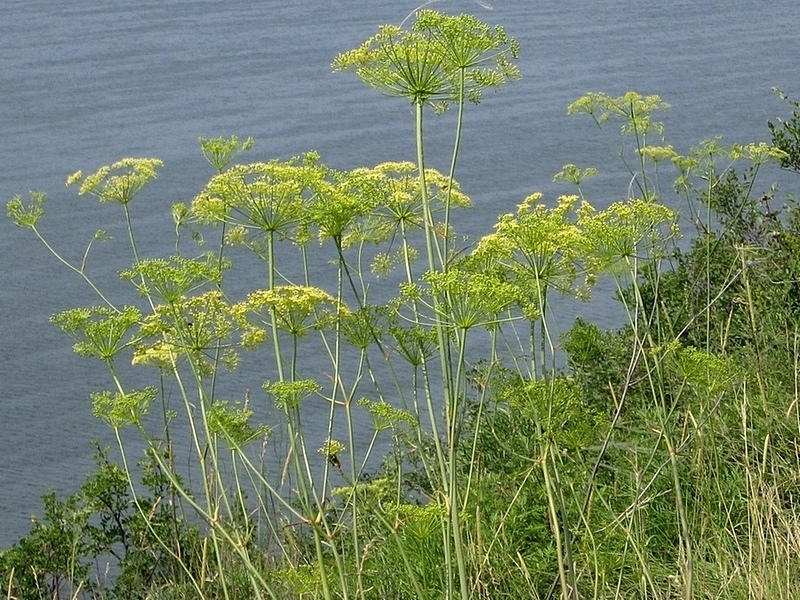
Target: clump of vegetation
x,y
660,463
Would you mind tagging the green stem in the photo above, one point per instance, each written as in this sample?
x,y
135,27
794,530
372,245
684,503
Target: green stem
x,y
555,523
452,175
434,252
273,317
71,267
130,234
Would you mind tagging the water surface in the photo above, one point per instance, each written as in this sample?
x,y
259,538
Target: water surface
x,y
84,83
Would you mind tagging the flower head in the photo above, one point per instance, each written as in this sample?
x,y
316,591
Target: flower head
x,y
120,182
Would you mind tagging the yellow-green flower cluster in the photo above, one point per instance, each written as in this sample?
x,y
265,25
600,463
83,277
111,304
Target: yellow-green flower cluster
x,y
233,424
296,308
120,182
628,230
419,521
219,152
386,416
707,374
122,409
414,343
26,214
442,58
634,110
171,279
100,331
471,50
469,298
331,447
192,327
400,63
265,197
539,247
363,326
289,394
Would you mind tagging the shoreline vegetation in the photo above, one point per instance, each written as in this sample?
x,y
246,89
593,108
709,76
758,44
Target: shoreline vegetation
x,y
660,461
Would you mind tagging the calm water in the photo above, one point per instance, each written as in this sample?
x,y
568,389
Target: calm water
x,y
84,83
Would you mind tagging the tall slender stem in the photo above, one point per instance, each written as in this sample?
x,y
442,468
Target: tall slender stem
x,y
448,391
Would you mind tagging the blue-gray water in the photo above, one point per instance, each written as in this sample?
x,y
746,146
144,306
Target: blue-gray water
x,y
84,83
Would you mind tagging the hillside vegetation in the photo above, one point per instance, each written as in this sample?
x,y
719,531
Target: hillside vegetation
x,y
659,460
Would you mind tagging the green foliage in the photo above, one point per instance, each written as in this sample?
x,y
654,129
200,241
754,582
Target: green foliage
x,y
143,540
786,135
702,384
47,563
747,266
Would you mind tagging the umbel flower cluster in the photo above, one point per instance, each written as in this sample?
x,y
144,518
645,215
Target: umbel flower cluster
x,y
439,60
